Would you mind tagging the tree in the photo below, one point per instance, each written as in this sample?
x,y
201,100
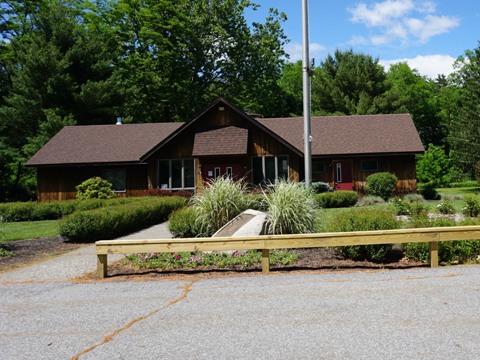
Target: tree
x,y
411,93
291,84
178,56
435,167
465,129
347,83
58,65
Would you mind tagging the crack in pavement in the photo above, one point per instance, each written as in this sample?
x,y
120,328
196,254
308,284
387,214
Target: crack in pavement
x,y
186,289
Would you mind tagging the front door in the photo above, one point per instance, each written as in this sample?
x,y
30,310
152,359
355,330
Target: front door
x,y
343,175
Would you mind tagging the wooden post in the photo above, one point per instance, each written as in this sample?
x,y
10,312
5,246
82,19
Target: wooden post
x,y
101,266
433,245
265,260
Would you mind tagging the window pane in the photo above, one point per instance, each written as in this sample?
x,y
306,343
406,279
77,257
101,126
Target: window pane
x,y
283,167
318,166
369,165
257,170
117,177
189,173
164,174
176,174
270,169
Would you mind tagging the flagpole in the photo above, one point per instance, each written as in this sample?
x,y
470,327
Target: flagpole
x,y
307,131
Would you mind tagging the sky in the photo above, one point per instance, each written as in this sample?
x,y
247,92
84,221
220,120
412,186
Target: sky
x,y
427,34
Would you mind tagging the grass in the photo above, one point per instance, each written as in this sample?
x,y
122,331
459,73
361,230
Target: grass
x,y
12,231
459,191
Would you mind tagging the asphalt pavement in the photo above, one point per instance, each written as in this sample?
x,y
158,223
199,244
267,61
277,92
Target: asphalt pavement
x,y
419,313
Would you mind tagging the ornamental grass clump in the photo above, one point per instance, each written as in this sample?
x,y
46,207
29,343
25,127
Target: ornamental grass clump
x,y
291,208
219,202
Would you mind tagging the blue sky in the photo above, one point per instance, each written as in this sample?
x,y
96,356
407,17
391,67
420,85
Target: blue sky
x,y
428,34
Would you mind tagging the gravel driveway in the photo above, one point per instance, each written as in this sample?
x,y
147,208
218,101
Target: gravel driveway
x,y
398,314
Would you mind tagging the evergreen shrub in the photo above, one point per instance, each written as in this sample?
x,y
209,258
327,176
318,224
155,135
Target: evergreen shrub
x,y
113,221
381,184
448,251
182,223
95,188
337,199
364,219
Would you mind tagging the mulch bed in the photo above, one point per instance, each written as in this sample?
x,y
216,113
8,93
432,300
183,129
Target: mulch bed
x,y
27,252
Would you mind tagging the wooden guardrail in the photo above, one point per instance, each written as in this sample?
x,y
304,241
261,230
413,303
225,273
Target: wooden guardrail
x,y
270,242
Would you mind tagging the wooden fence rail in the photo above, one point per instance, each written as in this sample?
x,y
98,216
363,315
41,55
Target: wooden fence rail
x,y
270,242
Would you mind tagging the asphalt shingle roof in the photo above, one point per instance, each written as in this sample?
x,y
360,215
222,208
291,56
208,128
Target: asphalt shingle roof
x,y
230,140
358,134
102,143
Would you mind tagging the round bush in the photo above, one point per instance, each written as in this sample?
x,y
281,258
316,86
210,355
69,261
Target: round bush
x,y
381,184
95,188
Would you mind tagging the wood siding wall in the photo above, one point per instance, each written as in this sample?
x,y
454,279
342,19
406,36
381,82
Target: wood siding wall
x,y
403,166
58,183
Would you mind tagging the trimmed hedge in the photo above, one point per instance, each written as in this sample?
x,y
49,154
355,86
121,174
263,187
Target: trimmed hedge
x,y
182,223
336,199
114,221
34,211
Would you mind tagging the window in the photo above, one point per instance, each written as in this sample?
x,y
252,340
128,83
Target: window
x,y
230,172
269,168
217,172
117,177
318,166
369,165
176,174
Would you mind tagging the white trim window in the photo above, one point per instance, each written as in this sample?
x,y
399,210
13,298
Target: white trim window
x,y
176,174
117,177
267,169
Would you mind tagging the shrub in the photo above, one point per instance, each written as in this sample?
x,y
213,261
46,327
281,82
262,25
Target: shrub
x,y
446,207
114,221
182,223
290,208
337,199
381,184
95,188
472,206
321,187
401,207
448,251
413,198
364,219
428,191
370,200
219,202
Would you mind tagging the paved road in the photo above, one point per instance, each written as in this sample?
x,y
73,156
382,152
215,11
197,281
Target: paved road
x,y
396,314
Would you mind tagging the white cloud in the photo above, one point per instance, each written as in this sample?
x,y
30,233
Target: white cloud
x,y
381,13
295,51
431,26
402,21
430,65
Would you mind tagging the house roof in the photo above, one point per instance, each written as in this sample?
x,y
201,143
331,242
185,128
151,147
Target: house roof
x,y
126,143
345,135
230,140
133,143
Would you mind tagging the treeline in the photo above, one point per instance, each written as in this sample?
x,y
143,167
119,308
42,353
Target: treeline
x,y
66,62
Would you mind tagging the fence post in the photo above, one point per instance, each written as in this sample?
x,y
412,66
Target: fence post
x,y
101,266
265,260
433,246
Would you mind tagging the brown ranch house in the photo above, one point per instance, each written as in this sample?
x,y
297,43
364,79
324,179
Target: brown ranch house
x,y
224,140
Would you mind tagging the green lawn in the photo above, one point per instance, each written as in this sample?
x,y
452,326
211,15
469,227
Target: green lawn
x,y
28,230
459,191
